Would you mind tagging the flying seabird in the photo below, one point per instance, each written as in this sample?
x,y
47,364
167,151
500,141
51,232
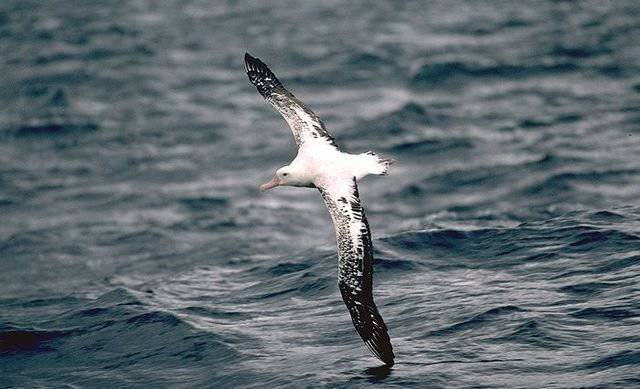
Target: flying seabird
x,y
320,164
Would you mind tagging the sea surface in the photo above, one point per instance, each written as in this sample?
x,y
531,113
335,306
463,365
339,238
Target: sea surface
x,y
137,251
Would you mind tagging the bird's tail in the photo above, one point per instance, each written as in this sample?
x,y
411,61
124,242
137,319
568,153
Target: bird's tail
x,y
376,164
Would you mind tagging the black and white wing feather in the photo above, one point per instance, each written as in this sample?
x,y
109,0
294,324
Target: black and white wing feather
x,y
355,265
305,125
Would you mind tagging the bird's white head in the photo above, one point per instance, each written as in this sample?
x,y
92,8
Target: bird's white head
x,y
287,176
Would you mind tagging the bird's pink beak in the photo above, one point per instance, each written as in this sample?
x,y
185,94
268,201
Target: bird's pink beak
x,y
275,181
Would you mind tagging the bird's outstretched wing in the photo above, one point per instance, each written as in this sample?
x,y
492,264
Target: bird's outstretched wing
x,y
355,264
305,125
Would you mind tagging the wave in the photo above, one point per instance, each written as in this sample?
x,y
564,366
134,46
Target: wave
x,y
531,333
394,264
478,320
434,73
587,289
15,340
480,178
563,181
619,262
405,120
108,331
579,51
50,129
430,146
355,67
216,313
303,283
616,359
537,122
198,204
573,234
287,268
605,313
153,317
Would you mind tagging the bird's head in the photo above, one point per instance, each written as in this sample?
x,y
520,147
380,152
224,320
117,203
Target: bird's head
x,y
287,176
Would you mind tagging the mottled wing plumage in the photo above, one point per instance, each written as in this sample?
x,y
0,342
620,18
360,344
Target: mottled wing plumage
x,y
305,125
355,265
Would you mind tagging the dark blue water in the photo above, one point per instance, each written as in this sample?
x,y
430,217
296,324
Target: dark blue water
x,y
136,250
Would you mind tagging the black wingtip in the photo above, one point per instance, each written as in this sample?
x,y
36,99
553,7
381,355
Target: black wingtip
x,y
380,347
377,337
248,59
260,75
255,65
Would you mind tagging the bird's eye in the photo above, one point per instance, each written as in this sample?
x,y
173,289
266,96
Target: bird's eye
x,y
285,174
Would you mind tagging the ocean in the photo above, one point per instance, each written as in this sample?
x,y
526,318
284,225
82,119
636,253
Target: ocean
x,y
137,251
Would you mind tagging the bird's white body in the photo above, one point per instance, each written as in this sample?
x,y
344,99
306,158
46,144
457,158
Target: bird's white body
x,y
317,164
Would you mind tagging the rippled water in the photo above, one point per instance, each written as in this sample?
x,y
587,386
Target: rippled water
x,y
135,249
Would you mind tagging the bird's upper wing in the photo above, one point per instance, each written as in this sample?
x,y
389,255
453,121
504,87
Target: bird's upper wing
x,y
305,125
355,264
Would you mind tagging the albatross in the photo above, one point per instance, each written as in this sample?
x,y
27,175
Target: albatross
x,y
320,164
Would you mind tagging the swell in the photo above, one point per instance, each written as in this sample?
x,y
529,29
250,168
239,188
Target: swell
x,y
111,328
49,129
577,234
431,74
16,340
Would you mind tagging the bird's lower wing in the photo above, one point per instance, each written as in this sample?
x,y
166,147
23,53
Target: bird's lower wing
x,y
355,265
305,125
